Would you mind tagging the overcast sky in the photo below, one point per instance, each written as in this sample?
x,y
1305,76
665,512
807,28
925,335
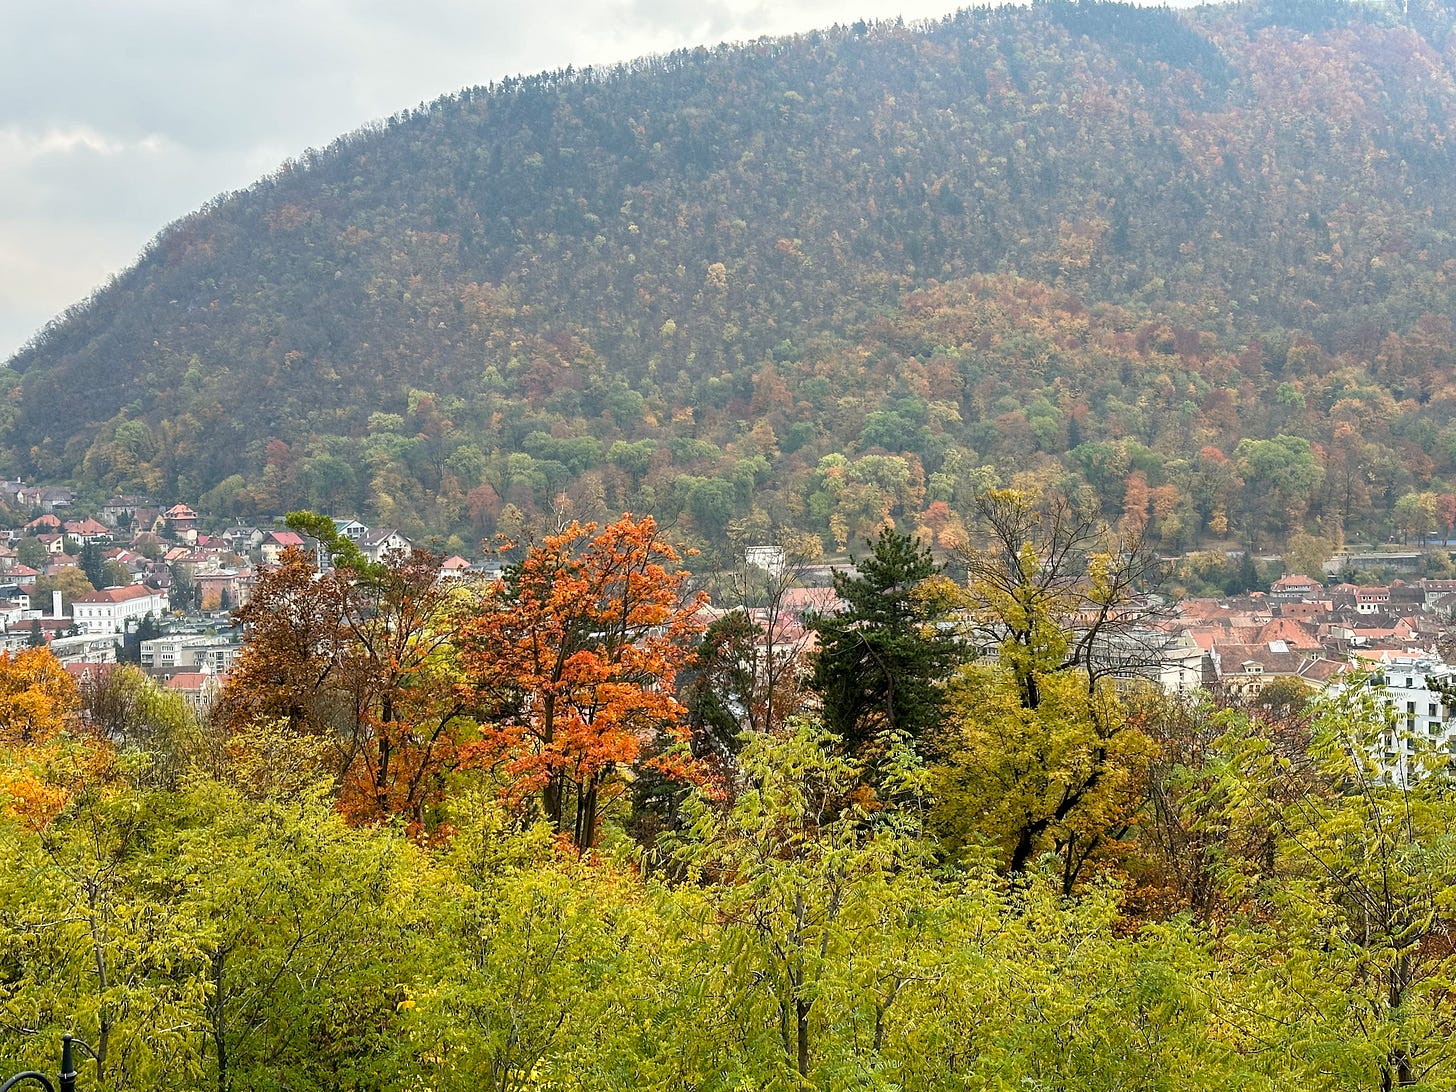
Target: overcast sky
x,y
120,116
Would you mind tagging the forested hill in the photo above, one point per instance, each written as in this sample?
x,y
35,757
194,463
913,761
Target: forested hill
x,y
1201,260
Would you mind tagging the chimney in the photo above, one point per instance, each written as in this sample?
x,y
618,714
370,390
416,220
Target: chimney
x,y
56,603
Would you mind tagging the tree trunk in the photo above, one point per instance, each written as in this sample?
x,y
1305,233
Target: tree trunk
x,y
551,795
381,777
1025,840
801,1015
219,1027
588,811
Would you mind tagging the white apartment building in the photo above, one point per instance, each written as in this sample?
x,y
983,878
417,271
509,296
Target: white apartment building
x,y
1421,715
107,612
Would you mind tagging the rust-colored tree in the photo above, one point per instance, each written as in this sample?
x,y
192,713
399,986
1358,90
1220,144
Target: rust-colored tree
x,y
581,644
410,697
360,658
293,667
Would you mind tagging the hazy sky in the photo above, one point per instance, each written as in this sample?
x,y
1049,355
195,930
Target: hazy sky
x,y
120,116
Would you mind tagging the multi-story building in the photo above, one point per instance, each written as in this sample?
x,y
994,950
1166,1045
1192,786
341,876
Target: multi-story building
x,y
189,652
1413,686
108,611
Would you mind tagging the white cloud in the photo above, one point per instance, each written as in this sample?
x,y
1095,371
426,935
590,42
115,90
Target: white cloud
x,y
19,147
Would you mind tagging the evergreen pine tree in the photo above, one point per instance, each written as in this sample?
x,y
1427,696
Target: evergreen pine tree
x,y
93,564
882,662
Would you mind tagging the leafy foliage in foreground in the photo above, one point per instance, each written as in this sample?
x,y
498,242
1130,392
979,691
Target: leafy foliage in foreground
x,y
1056,884
209,937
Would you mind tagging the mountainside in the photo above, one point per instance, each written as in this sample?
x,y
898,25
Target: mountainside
x,y
1200,261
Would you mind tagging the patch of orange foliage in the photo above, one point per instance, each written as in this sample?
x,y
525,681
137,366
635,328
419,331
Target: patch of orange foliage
x,y
44,755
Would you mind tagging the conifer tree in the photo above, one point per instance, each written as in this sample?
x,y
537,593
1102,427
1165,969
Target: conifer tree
x,y
882,662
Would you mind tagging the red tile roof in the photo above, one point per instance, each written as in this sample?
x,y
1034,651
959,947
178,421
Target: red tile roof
x,y
117,595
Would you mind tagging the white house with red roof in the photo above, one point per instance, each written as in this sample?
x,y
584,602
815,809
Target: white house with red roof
x,y
454,566
200,689
1295,587
109,611
275,542
23,576
87,530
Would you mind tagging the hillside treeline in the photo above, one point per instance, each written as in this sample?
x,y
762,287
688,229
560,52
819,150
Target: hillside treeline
x,y
820,282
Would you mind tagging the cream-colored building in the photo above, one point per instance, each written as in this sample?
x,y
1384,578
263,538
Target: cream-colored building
x,y
108,611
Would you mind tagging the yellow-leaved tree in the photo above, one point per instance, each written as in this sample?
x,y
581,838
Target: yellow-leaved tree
x,y
1041,755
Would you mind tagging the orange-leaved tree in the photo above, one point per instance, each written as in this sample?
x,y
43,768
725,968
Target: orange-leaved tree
x,y
39,766
581,645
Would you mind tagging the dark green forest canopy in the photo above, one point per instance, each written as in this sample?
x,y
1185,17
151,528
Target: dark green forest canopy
x,y
818,282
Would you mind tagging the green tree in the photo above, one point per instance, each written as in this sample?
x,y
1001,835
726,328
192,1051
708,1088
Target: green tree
x,y
99,949
313,937
135,713
1280,477
70,582
31,551
93,564
883,661
826,921
1357,886
1307,554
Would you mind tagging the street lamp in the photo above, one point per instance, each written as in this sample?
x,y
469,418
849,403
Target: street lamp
x,y
68,1069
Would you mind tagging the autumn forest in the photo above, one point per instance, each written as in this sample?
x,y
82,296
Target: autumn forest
x,y
1023,312
1191,261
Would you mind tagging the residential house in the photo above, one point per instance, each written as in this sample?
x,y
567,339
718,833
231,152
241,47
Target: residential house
x,y
87,530
49,497
1295,587
181,523
10,490
377,545
122,511
12,611
242,540
1412,685
1243,670
23,576
351,529
200,689
454,567
275,542
223,589
189,652
58,562
71,648
768,558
